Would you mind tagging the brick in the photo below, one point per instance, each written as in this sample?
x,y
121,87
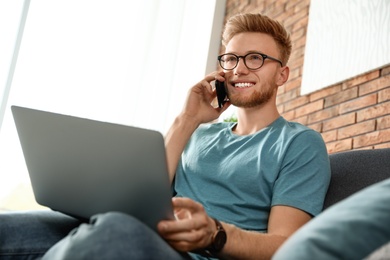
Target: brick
x,y
284,15
301,23
370,147
316,127
338,146
302,4
376,137
329,136
385,71
374,85
287,96
339,121
358,103
289,115
341,97
356,129
295,73
281,89
295,63
298,14
381,146
373,112
383,122
361,79
293,84
302,120
325,92
297,52
384,95
297,102
295,37
280,108
297,5
273,9
309,108
301,42
323,114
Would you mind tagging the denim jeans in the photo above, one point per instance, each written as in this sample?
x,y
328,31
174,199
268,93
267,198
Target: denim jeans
x,y
28,235
35,235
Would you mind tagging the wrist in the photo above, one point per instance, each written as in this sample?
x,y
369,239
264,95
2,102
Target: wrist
x,y
187,121
218,240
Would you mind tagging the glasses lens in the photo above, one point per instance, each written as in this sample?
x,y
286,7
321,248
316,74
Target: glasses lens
x,y
254,60
228,61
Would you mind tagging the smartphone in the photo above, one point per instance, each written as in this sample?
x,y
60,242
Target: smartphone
x,y
221,92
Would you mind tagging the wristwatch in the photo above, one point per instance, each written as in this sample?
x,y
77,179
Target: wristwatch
x,y
219,239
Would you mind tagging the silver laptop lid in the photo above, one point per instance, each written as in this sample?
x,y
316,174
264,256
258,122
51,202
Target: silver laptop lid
x,y
83,167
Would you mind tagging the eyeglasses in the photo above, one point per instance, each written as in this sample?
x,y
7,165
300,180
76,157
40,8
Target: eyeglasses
x,y
252,61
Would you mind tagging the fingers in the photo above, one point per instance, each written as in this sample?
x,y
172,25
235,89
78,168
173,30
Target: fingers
x,y
216,75
205,90
219,77
225,106
189,241
200,106
192,229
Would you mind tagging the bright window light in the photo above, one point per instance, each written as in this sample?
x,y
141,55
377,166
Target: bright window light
x,y
127,62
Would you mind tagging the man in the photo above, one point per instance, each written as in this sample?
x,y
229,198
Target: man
x,y
241,189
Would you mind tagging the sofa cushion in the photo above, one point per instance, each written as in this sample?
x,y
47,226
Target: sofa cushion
x,y
351,229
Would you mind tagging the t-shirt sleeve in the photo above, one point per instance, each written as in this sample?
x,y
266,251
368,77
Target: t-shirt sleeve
x,y
305,174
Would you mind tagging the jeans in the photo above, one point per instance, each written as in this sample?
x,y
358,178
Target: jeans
x,y
28,235
35,235
351,229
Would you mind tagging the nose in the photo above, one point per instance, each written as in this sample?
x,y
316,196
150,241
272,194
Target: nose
x,y
241,67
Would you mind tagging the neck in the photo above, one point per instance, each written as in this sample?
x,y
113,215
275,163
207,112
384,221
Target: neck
x,y
252,120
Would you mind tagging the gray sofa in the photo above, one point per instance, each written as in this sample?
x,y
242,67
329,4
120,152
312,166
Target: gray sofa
x,y
351,171
355,170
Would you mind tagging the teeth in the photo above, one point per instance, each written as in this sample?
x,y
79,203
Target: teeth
x,y
243,85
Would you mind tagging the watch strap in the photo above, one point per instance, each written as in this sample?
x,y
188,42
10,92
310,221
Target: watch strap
x,y
216,246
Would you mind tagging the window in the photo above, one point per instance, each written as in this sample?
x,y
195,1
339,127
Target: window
x,y
118,61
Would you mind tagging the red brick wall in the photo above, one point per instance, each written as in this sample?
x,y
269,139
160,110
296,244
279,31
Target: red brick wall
x,y
354,114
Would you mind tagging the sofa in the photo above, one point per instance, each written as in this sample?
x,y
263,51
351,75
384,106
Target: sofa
x,y
354,170
351,171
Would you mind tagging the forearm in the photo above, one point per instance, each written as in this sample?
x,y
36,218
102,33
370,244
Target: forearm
x,y
176,140
242,244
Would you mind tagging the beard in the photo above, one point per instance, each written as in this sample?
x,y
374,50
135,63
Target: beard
x,y
258,98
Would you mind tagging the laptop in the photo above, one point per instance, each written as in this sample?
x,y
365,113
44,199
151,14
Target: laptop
x,y
83,167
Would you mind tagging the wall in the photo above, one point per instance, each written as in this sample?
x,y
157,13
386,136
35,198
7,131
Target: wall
x,y
354,114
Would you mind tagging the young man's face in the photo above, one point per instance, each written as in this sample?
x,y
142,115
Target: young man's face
x,y
250,88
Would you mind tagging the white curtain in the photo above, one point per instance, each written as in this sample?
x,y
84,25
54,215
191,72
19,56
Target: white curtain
x,y
128,62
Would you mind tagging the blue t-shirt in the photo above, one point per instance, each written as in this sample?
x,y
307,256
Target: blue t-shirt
x,y
239,178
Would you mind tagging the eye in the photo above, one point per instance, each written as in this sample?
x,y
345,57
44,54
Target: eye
x,y
229,58
254,57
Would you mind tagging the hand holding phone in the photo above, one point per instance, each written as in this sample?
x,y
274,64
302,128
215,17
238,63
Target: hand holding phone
x,y
221,93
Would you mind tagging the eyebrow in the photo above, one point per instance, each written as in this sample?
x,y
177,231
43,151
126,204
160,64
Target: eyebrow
x,y
250,51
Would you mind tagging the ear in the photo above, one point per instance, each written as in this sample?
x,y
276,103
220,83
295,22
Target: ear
x,y
283,75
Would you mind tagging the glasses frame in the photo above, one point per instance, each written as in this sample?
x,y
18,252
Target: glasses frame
x,y
265,56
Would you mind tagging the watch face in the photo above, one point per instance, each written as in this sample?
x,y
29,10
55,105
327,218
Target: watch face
x,y
219,240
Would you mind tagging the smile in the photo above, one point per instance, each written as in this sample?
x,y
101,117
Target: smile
x,y
243,85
